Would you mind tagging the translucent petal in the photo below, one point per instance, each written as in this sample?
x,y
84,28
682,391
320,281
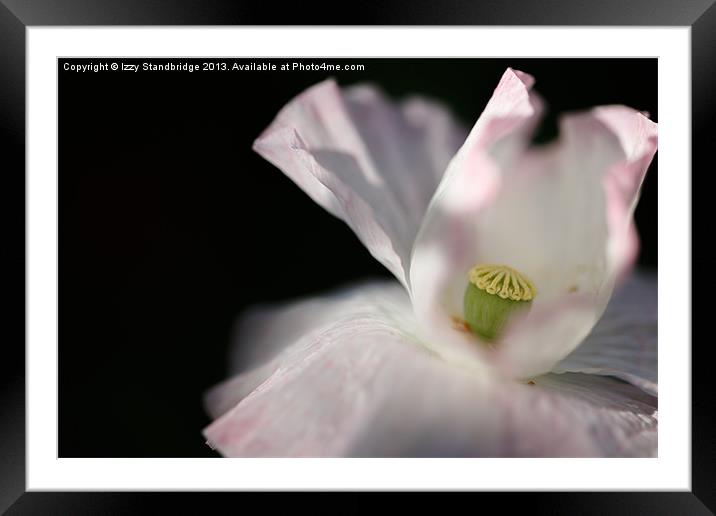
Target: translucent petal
x,y
367,161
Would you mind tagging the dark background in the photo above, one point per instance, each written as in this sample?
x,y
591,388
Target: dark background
x,y
170,225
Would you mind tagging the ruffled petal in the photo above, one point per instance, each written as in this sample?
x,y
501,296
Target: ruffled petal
x,y
621,420
308,400
269,337
623,344
367,161
560,214
263,331
364,386
603,156
444,249
409,144
449,413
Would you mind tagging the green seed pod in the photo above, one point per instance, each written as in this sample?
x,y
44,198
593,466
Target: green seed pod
x,y
493,295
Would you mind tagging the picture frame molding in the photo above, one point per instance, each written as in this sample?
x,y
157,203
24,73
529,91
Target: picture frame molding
x,y
16,17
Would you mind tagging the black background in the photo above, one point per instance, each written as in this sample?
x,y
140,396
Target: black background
x,y
170,225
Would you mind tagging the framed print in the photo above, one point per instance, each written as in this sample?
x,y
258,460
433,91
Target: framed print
x,y
347,258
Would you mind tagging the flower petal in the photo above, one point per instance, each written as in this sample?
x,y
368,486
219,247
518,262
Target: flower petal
x,y
410,145
624,341
448,413
443,251
371,163
364,386
621,419
560,214
603,156
263,333
308,398
264,330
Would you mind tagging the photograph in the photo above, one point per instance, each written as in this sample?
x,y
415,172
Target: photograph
x,y
357,257
445,249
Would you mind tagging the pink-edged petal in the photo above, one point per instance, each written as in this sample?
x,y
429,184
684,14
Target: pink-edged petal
x,y
308,400
638,141
444,249
367,161
363,386
263,331
621,419
623,344
226,395
410,144
560,214
450,413
269,337
603,156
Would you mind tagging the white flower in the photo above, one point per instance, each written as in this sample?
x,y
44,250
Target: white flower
x,y
388,369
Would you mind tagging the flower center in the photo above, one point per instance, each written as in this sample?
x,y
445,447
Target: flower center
x,y
503,281
494,294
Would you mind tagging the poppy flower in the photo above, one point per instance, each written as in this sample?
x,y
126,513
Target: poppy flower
x,y
501,336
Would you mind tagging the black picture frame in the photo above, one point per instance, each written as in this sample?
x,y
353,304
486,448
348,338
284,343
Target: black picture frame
x,y
17,15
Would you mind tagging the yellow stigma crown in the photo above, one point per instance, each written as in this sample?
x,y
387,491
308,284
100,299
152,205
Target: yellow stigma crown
x,y
502,281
